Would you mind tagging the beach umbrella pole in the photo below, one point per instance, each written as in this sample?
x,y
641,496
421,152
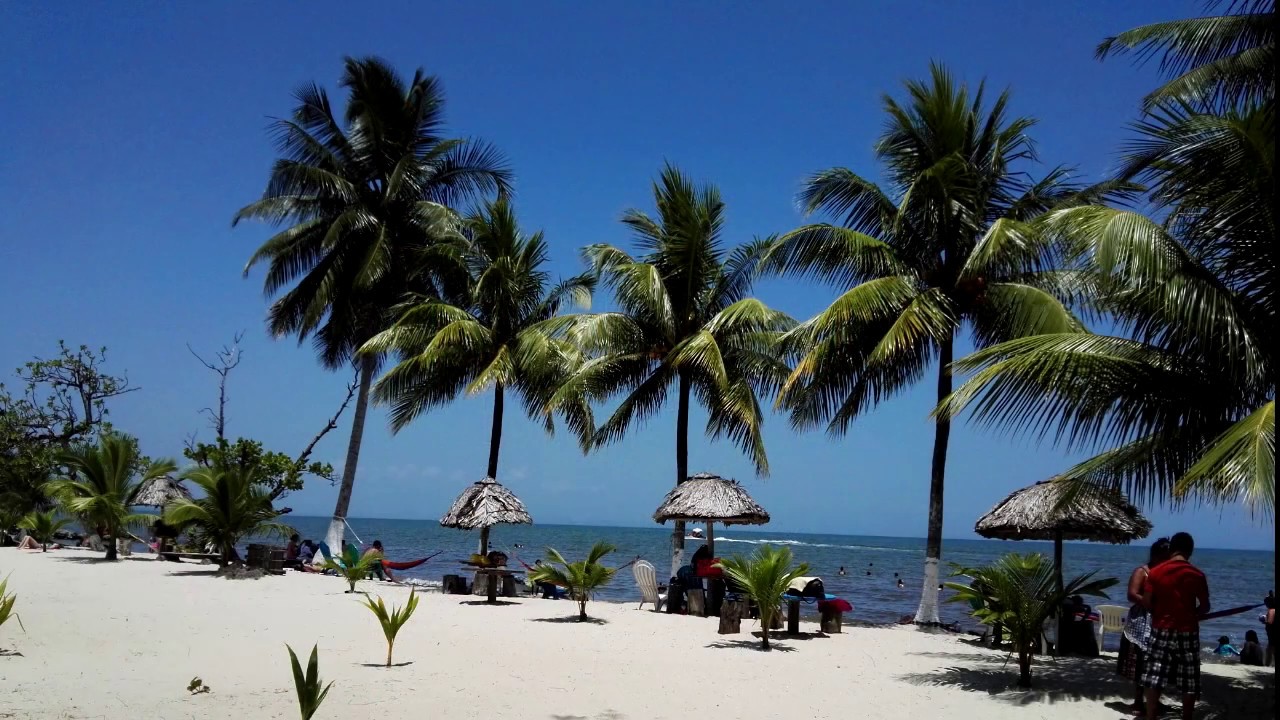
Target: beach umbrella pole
x,y
711,538
1057,558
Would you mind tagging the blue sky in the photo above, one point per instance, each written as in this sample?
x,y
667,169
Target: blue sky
x,y
133,131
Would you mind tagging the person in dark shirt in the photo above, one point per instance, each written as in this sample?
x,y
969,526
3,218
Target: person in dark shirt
x,y
1251,652
1177,594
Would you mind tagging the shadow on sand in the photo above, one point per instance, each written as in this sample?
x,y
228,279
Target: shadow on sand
x,y
383,665
606,715
571,620
483,603
1074,679
756,645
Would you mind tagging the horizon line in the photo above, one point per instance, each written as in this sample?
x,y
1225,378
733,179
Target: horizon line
x,y
799,532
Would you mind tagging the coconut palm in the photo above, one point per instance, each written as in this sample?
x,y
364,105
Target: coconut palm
x,y
1019,593
100,486
1182,399
43,526
491,337
310,688
950,250
232,507
685,321
765,578
1222,60
361,200
391,620
581,579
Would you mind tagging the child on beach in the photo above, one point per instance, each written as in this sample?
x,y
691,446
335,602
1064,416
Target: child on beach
x,y
1225,648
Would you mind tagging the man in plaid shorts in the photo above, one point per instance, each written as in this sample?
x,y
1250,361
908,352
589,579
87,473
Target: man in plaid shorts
x,y
1177,594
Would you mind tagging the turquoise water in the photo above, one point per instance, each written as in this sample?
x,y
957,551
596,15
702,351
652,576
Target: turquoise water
x,y
1236,577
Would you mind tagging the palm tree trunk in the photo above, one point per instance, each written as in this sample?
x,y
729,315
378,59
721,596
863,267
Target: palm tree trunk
x,y
927,613
495,444
111,546
682,468
582,610
337,525
495,434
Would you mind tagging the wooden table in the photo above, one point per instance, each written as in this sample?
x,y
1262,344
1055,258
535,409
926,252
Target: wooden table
x,y
491,592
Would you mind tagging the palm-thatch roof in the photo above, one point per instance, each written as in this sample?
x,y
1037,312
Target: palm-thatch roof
x,y
161,491
710,497
484,504
1036,513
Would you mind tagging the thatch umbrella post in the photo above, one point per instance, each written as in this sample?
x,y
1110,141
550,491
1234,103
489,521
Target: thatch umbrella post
x,y
1057,558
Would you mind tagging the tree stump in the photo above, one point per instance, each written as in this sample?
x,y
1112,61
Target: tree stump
x,y
831,620
696,601
731,613
454,585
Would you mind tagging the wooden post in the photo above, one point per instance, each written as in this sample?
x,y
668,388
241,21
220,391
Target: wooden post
x,y
731,617
793,617
491,593
711,538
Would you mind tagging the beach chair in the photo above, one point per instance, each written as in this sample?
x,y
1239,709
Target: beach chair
x,y
1112,620
647,580
1049,635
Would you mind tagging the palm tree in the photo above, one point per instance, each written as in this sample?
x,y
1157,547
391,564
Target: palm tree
x,y
361,201
581,579
101,488
765,578
232,508
686,319
1018,593
43,526
491,337
954,250
1219,60
1182,401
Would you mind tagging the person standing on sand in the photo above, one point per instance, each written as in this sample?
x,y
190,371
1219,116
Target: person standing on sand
x,y
1177,594
1137,627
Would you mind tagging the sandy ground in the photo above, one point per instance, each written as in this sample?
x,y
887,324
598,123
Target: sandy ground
x,y
122,640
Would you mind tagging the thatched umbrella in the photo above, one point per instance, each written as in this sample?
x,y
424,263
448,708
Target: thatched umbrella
x,y
712,499
481,506
1038,513
161,491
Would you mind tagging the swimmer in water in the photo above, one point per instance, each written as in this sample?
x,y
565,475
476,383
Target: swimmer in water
x,y
841,572
900,585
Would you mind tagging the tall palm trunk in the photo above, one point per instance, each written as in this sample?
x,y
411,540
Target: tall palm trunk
x,y
682,468
927,613
337,528
495,444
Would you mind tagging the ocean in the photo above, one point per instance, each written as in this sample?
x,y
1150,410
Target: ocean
x,y
1236,577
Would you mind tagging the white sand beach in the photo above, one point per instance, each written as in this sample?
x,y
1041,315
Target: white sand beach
x,y
122,640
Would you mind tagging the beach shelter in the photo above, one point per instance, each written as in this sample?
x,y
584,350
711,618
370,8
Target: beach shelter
x,y
711,499
161,491
481,506
1038,513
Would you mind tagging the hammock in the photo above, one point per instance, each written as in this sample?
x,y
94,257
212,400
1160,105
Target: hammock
x,y
407,564
1231,611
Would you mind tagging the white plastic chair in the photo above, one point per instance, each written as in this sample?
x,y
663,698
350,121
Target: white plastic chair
x,y
647,580
1112,620
1049,635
